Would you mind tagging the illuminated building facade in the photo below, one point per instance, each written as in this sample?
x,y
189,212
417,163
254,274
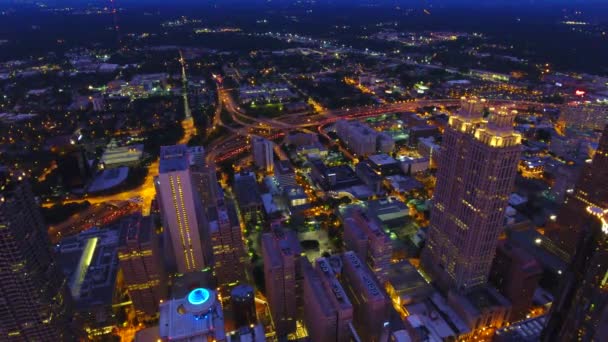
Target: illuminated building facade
x,y
591,190
140,260
204,178
197,317
181,209
35,302
282,274
580,311
226,241
477,169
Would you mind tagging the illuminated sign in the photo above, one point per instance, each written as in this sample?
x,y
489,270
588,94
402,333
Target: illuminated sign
x,y
580,92
198,296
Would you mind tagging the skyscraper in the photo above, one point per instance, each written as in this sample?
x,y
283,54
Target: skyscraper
x,y
262,153
477,168
142,266
204,178
35,304
580,311
282,269
370,303
328,313
364,236
226,241
591,189
181,209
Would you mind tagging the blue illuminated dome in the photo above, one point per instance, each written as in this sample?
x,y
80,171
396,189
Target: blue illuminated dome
x,y
198,296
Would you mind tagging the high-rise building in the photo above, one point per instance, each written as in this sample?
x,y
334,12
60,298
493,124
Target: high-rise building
x,y
35,303
181,209
477,169
248,196
204,178
282,273
371,305
242,299
196,155
142,265
226,241
591,189
580,310
364,236
328,313
197,317
263,153
516,275
285,173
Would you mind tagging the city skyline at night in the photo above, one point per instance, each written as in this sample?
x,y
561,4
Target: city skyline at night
x,y
311,170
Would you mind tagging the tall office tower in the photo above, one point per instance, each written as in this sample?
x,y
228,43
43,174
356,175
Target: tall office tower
x,y
262,154
242,299
516,274
197,317
181,209
282,270
477,168
364,236
370,303
580,310
328,313
196,155
591,189
248,196
204,178
226,241
35,304
140,258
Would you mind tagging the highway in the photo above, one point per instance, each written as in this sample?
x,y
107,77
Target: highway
x,y
230,147
243,127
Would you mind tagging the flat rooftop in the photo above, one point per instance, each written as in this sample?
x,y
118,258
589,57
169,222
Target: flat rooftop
x,y
122,155
382,159
408,284
173,158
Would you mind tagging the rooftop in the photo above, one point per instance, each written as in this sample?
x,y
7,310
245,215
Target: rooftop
x,y
528,330
246,189
173,158
90,261
382,159
407,283
122,155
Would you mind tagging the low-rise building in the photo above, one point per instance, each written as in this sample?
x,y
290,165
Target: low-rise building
x,y
481,308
